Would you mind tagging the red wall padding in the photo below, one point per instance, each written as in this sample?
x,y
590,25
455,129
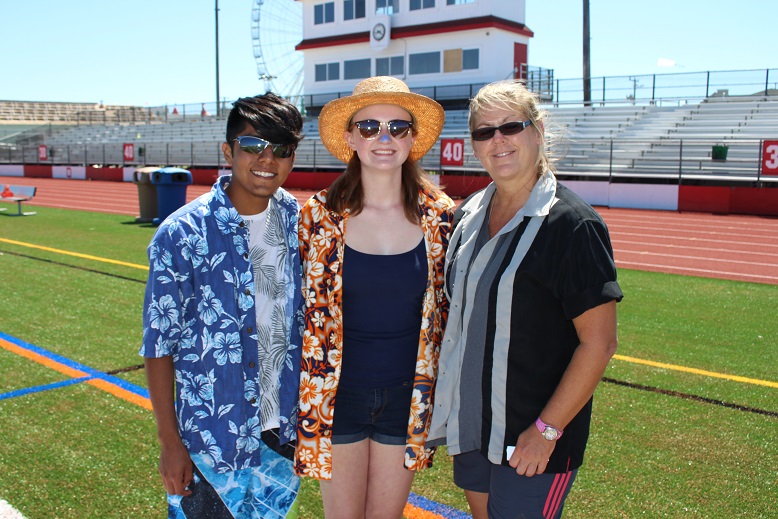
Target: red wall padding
x,y
750,200
729,200
37,170
703,199
204,177
462,186
112,174
314,181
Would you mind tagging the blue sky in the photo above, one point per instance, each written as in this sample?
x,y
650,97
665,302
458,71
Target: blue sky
x,y
155,52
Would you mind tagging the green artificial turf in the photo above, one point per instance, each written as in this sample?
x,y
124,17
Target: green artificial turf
x,y
665,442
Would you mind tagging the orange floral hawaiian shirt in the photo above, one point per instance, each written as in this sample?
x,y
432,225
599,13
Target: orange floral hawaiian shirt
x,y
321,235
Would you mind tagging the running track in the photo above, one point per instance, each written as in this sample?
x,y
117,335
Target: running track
x,y
743,248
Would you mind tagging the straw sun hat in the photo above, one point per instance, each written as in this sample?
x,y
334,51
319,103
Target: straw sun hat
x,y
428,115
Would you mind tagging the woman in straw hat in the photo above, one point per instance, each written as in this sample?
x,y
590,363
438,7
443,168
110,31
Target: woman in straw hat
x,y
373,247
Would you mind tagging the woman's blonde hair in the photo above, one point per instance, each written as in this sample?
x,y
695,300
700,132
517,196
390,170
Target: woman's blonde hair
x,y
512,95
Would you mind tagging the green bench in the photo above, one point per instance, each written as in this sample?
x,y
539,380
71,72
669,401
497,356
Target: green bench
x,y
18,194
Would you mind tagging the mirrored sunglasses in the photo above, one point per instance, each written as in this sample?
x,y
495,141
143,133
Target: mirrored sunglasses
x,y
256,146
370,128
487,132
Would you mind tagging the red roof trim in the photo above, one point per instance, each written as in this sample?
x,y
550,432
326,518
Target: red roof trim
x,y
331,41
420,30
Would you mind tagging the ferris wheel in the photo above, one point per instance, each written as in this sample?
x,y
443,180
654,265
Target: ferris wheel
x,y
276,28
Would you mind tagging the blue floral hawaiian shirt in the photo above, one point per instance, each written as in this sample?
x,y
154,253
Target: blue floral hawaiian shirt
x,y
199,308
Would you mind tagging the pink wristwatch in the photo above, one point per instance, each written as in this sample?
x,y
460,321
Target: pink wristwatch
x,y
549,432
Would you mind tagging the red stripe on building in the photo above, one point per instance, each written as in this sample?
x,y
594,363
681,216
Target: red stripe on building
x,y
482,22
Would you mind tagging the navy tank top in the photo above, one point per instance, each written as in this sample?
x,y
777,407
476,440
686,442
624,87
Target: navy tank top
x,y
382,302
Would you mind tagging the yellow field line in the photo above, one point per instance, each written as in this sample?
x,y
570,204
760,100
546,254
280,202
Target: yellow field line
x,y
410,511
696,371
76,254
625,358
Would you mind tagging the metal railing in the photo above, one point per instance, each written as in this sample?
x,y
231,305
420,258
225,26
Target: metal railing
x,y
676,88
667,156
664,160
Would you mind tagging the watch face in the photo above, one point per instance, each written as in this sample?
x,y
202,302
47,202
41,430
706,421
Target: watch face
x,y
378,31
550,434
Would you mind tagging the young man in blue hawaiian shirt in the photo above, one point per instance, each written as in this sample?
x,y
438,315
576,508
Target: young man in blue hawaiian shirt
x,y
221,326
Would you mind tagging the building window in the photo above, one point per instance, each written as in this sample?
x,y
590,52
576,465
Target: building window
x,y
470,59
324,13
328,72
424,63
353,9
459,2
422,4
356,69
387,6
394,66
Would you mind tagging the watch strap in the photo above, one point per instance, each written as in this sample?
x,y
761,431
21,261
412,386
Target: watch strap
x,y
542,426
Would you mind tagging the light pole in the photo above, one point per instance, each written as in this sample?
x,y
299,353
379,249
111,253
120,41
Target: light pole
x,y
218,106
587,77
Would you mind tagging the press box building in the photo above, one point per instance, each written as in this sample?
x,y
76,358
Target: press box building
x,y
445,49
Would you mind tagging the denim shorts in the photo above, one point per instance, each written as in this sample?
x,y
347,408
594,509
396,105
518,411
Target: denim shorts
x,y
379,414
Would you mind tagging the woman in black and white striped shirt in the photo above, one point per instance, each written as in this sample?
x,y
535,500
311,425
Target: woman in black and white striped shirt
x,y
532,284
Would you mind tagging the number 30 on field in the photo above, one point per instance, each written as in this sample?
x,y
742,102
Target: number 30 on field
x,y
452,152
770,158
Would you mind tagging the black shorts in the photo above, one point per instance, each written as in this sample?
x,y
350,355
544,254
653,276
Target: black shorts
x,y
541,496
379,414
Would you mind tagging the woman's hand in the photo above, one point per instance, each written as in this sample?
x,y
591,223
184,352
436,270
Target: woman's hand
x,y
532,453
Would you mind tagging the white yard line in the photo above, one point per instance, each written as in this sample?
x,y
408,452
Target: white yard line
x,y
9,512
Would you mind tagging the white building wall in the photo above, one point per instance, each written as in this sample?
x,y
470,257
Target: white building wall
x,y
495,46
495,59
512,10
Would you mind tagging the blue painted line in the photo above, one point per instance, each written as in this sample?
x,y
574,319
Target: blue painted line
x,y
46,387
437,508
416,500
93,373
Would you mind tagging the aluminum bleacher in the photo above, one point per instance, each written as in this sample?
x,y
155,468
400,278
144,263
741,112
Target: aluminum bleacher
x,y
45,112
647,139
63,112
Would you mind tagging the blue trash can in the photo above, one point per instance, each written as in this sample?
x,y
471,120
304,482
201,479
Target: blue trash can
x,y
171,190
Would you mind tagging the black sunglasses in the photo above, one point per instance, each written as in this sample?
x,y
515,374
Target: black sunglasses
x,y
370,128
487,132
256,146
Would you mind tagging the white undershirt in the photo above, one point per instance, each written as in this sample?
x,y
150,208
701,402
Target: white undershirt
x,y
267,255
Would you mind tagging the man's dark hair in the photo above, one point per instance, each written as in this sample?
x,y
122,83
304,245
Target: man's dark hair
x,y
274,118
